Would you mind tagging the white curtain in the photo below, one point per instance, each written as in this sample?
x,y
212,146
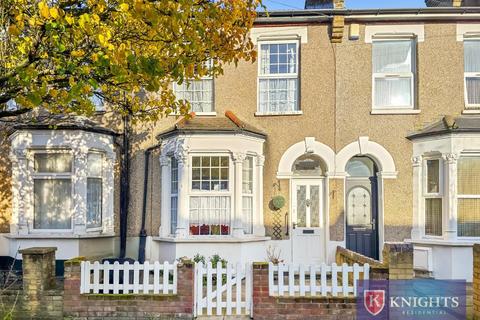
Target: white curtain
x,y
278,95
390,92
468,214
210,215
52,203
247,219
433,217
94,202
392,56
473,90
198,92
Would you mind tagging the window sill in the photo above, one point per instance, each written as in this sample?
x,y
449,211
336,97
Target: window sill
x,y
441,242
197,114
394,111
268,114
52,235
471,111
212,239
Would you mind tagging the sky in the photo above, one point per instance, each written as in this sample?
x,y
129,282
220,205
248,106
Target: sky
x,y
350,4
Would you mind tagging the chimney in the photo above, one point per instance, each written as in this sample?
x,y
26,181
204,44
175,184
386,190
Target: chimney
x,y
324,4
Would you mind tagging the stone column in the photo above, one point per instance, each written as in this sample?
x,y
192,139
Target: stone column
x,y
38,271
450,196
165,205
258,219
181,154
418,213
237,227
21,179
79,196
398,257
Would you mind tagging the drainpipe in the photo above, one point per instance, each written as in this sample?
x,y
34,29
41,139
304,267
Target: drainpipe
x,y
143,231
124,187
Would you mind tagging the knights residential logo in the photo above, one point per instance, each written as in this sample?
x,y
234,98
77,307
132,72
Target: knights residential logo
x,y
411,299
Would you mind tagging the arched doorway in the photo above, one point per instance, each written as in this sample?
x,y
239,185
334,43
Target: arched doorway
x,y
361,207
308,200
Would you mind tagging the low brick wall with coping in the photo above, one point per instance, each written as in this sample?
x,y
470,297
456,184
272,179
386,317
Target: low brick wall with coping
x,y
293,308
128,306
397,261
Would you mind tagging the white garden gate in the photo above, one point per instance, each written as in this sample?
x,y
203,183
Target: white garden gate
x,y
223,290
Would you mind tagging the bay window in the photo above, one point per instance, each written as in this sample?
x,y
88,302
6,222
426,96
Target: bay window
x,y
393,73
247,195
52,190
210,202
433,198
468,181
472,72
278,77
94,190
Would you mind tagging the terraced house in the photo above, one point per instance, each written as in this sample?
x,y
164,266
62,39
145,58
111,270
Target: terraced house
x,y
353,128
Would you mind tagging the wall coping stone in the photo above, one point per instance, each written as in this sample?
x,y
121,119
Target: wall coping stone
x,y
38,250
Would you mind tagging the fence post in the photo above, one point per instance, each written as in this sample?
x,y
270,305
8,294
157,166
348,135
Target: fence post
x,y
186,286
38,270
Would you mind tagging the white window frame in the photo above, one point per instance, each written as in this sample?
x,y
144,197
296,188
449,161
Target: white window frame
x,y
212,193
262,76
103,177
412,75
470,106
437,195
52,176
465,196
249,195
173,195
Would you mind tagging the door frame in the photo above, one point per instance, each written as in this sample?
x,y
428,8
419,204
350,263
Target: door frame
x,y
324,181
380,221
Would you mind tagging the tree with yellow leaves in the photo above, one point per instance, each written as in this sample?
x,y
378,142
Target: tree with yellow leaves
x,y
61,54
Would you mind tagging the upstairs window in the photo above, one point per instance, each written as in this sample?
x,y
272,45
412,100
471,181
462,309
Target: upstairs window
x,y
393,74
198,92
278,78
472,73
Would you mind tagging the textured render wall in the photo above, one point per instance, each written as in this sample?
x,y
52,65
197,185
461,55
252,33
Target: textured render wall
x,y
440,82
5,182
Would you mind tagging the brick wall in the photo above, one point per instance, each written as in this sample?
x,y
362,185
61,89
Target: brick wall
x,y
397,261
42,295
128,306
476,281
283,308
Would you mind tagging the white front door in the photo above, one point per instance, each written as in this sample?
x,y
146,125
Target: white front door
x,y
307,221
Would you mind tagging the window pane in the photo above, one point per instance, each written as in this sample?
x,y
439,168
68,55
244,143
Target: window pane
x,y
95,161
361,167
433,176
359,207
278,95
247,219
198,92
469,176
392,56
278,59
94,202
210,215
393,92
468,218
173,214
208,173
308,164
433,217
301,206
247,177
52,204
174,192
314,206
472,55
53,162
473,90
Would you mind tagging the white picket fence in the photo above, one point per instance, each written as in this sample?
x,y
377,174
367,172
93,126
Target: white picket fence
x,y
116,278
315,280
227,290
